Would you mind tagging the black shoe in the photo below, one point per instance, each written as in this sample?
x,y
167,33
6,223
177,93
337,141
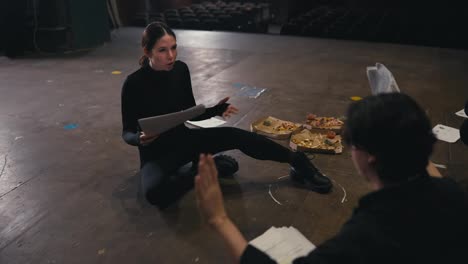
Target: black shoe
x,y
226,165
171,190
306,174
318,182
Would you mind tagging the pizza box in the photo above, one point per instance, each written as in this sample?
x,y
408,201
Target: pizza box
x,y
273,130
311,126
321,136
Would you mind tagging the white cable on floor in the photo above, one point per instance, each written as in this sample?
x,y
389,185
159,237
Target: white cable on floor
x,y
4,165
344,191
271,195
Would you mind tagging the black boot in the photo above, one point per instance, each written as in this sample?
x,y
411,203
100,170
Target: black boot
x,y
226,165
305,173
171,191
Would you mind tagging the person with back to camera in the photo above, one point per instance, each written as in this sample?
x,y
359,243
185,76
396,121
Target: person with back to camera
x,y
410,217
464,127
162,85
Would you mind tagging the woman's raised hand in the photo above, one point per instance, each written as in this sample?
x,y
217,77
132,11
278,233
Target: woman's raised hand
x,y
230,110
209,196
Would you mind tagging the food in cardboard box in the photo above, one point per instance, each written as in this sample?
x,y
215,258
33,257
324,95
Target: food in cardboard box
x,y
307,140
330,123
274,127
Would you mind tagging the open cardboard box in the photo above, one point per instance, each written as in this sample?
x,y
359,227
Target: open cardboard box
x,y
337,129
297,147
269,131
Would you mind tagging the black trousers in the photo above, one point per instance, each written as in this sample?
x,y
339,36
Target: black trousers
x,y
160,188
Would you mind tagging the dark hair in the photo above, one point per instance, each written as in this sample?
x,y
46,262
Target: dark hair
x,y
393,128
153,32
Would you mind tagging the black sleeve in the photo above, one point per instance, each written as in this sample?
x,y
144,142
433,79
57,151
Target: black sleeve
x,y
329,254
350,245
130,131
216,110
253,255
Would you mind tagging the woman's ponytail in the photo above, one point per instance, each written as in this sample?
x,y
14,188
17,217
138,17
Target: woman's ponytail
x,y
143,60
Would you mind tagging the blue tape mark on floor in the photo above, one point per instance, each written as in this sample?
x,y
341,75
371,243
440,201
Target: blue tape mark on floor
x,y
70,126
248,91
238,85
251,92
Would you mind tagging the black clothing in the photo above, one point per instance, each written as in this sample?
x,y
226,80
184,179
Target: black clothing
x,y
225,165
422,221
464,127
159,188
147,93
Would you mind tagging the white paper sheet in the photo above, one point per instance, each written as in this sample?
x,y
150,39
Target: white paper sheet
x,y
212,122
445,133
283,244
461,113
156,125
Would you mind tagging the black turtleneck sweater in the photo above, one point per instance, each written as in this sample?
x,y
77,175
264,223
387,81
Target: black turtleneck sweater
x,y
148,92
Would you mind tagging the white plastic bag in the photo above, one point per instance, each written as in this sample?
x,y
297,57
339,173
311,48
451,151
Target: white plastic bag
x,y
381,80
